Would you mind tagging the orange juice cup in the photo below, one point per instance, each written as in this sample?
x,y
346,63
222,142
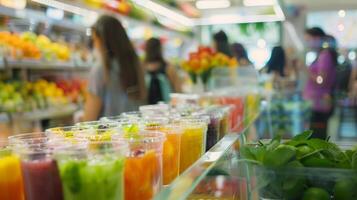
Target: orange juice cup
x,y
143,166
11,182
193,140
171,153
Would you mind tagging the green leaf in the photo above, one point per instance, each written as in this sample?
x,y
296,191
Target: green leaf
x,y
354,161
280,156
259,153
246,153
303,136
314,161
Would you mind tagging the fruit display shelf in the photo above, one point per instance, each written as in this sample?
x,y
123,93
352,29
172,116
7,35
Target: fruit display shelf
x,y
42,65
41,114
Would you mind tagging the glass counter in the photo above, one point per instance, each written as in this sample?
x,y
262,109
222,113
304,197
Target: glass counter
x,y
215,174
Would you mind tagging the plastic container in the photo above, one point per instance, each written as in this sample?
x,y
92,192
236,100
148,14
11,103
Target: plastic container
x,y
143,166
98,130
67,131
237,111
171,152
292,183
289,183
213,128
193,140
154,123
11,182
96,172
155,110
39,169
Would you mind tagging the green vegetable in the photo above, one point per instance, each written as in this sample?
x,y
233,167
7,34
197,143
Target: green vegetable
x,y
316,194
280,156
345,190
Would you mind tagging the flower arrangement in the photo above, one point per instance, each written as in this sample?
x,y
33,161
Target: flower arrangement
x,y
201,63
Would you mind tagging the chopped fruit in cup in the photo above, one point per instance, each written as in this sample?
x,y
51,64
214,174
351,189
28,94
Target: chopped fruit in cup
x,y
171,154
142,175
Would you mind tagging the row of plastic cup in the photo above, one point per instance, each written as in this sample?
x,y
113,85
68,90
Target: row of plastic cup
x,y
124,157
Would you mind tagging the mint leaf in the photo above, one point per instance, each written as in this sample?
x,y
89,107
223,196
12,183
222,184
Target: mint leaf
x,y
303,136
280,156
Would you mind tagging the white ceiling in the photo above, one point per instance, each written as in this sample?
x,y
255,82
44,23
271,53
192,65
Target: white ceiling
x,y
324,4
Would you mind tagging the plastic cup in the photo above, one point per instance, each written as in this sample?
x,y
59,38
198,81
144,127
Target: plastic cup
x,y
66,132
39,169
155,110
98,130
154,123
143,166
96,172
11,182
237,112
171,152
193,140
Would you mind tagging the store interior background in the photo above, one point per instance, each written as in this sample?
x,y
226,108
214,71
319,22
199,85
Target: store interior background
x,y
258,24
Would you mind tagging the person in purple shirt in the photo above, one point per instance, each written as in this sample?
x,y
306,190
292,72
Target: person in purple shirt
x,y
321,80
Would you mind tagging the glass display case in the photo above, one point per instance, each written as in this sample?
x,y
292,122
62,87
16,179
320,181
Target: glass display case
x,y
215,175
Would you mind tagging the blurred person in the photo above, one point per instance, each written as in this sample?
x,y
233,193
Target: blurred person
x,y
321,79
221,43
240,53
117,84
161,77
277,62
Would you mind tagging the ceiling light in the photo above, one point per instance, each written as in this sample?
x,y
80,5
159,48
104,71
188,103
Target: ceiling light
x,y
342,13
259,2
67,7
212,4
164,11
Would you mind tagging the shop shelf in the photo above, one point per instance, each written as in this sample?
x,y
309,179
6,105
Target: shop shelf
x,y
44,65
49,113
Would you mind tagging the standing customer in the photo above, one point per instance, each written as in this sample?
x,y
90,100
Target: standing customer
x,y
161,77
221,43
240,53
321,79
117,84
277,61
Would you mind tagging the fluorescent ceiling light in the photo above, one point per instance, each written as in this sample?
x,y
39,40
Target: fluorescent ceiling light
x,y
259,2
236,18
164,11
67,7
212,4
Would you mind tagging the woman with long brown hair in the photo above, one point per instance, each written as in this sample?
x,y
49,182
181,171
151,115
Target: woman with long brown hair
x,y
117,84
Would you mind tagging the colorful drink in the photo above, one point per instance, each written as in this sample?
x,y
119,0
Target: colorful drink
x,y
237,112
11,185
143,166
41,179
88,175
171,153
193,142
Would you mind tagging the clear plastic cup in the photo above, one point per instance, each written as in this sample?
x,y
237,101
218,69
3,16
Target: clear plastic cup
x,y
155,110
96,172
143,166
153,123
213,128
171,152
193,140
11,182
40,172
98,130
132,114
67,131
